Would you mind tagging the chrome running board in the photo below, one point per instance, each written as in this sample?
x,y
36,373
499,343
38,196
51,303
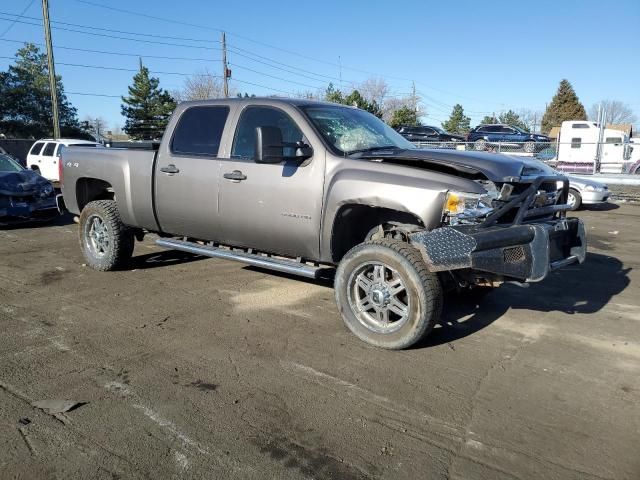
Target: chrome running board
x,y
272,263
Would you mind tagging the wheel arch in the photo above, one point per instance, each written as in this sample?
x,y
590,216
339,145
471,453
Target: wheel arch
x,y
353,222
90,189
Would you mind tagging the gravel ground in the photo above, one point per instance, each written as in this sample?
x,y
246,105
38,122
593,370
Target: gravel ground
x,y
199,368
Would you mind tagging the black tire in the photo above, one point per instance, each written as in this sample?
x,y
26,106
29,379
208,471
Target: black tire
x,y
480,144
577,202
102,219
529,146
421,292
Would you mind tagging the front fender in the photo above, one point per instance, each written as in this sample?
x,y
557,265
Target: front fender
x,y
404,189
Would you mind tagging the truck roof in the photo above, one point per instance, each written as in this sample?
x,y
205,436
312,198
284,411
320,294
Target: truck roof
x,y
298,102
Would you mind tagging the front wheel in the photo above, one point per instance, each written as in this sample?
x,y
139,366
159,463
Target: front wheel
x,y
386,295
106,242
574,200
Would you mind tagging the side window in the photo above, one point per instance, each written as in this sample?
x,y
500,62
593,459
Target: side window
x,y
252,117
507,130
49,149
576,142
199,131
36,149
613,140
580,125
429,131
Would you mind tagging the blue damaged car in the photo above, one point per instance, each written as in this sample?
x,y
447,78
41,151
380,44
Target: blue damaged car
x,y
24,195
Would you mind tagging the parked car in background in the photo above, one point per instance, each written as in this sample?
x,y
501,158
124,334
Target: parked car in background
x,y
43,155
427,133
508,135
24,195
584,191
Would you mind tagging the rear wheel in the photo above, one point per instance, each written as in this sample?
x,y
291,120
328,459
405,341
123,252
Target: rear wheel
x,y
106,242
386,295
529,147
574,200
480,144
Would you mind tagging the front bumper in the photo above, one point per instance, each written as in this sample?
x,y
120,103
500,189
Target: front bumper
x,y
27,208
523,252
589,198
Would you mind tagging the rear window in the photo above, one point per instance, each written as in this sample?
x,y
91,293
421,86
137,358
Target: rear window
x,y
49,149
37,147
199,131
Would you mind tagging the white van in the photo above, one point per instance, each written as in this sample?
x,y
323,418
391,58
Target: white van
x,y
43,156
578,148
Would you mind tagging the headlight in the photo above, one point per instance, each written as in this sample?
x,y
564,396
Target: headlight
x,y
461,206
590,188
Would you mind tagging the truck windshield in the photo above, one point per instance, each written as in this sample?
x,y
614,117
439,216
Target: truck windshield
x,y
349,130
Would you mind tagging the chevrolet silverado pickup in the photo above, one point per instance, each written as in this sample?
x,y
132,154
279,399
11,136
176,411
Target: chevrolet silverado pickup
x,y
313,189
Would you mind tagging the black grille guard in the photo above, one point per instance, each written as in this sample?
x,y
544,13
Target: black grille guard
x,y
526,200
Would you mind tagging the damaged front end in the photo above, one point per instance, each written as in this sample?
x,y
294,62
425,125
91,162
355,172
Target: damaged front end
x,y
25,195
519,232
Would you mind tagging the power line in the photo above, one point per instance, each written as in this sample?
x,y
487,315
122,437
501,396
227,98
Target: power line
x,y
95,34
18,17
137,55
273,76
154,17
102,67
152,35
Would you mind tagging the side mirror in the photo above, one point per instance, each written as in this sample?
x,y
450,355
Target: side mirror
x,y
269,145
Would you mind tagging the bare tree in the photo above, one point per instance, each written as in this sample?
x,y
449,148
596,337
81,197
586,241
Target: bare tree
x,y
374,90
531,118
616,112
201,86
96,125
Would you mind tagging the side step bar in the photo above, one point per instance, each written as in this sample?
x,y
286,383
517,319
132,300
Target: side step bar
x,y
279,264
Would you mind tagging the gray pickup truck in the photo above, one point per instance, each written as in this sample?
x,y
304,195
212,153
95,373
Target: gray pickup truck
x,y
314,189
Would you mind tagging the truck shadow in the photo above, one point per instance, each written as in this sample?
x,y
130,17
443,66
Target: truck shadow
x,y
583,289
162,258
55,221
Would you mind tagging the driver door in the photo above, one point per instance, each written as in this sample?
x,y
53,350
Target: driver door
x,y
271,207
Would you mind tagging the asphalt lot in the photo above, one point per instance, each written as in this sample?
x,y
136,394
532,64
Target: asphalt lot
x,y
200,368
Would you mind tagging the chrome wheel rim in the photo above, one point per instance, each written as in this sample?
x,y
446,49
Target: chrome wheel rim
x,y
529,147
480,144
571,200
97,237
378,297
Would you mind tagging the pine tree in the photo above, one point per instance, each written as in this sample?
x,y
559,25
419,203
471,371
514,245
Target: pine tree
x,y
512,118
565,105
332,94
355,99
25,100
147,108
489,119
404,116
458,122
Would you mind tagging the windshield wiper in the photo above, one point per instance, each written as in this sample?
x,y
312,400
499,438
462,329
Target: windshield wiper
x,y
372,149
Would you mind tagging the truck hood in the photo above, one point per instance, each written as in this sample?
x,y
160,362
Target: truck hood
x,y
25,182
494,166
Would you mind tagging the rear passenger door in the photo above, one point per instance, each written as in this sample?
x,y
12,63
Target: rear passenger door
x,y
187,174
47,162
34,155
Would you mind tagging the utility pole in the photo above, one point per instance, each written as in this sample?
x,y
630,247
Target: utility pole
x,y
414,100
225,67
52,71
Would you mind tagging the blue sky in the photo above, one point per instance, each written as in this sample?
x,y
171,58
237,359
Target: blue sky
x,y
488,56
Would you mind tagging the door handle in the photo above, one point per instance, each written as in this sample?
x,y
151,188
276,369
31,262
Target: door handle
x,y
171,169
236,175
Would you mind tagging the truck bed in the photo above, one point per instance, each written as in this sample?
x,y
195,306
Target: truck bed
x,y
128,171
